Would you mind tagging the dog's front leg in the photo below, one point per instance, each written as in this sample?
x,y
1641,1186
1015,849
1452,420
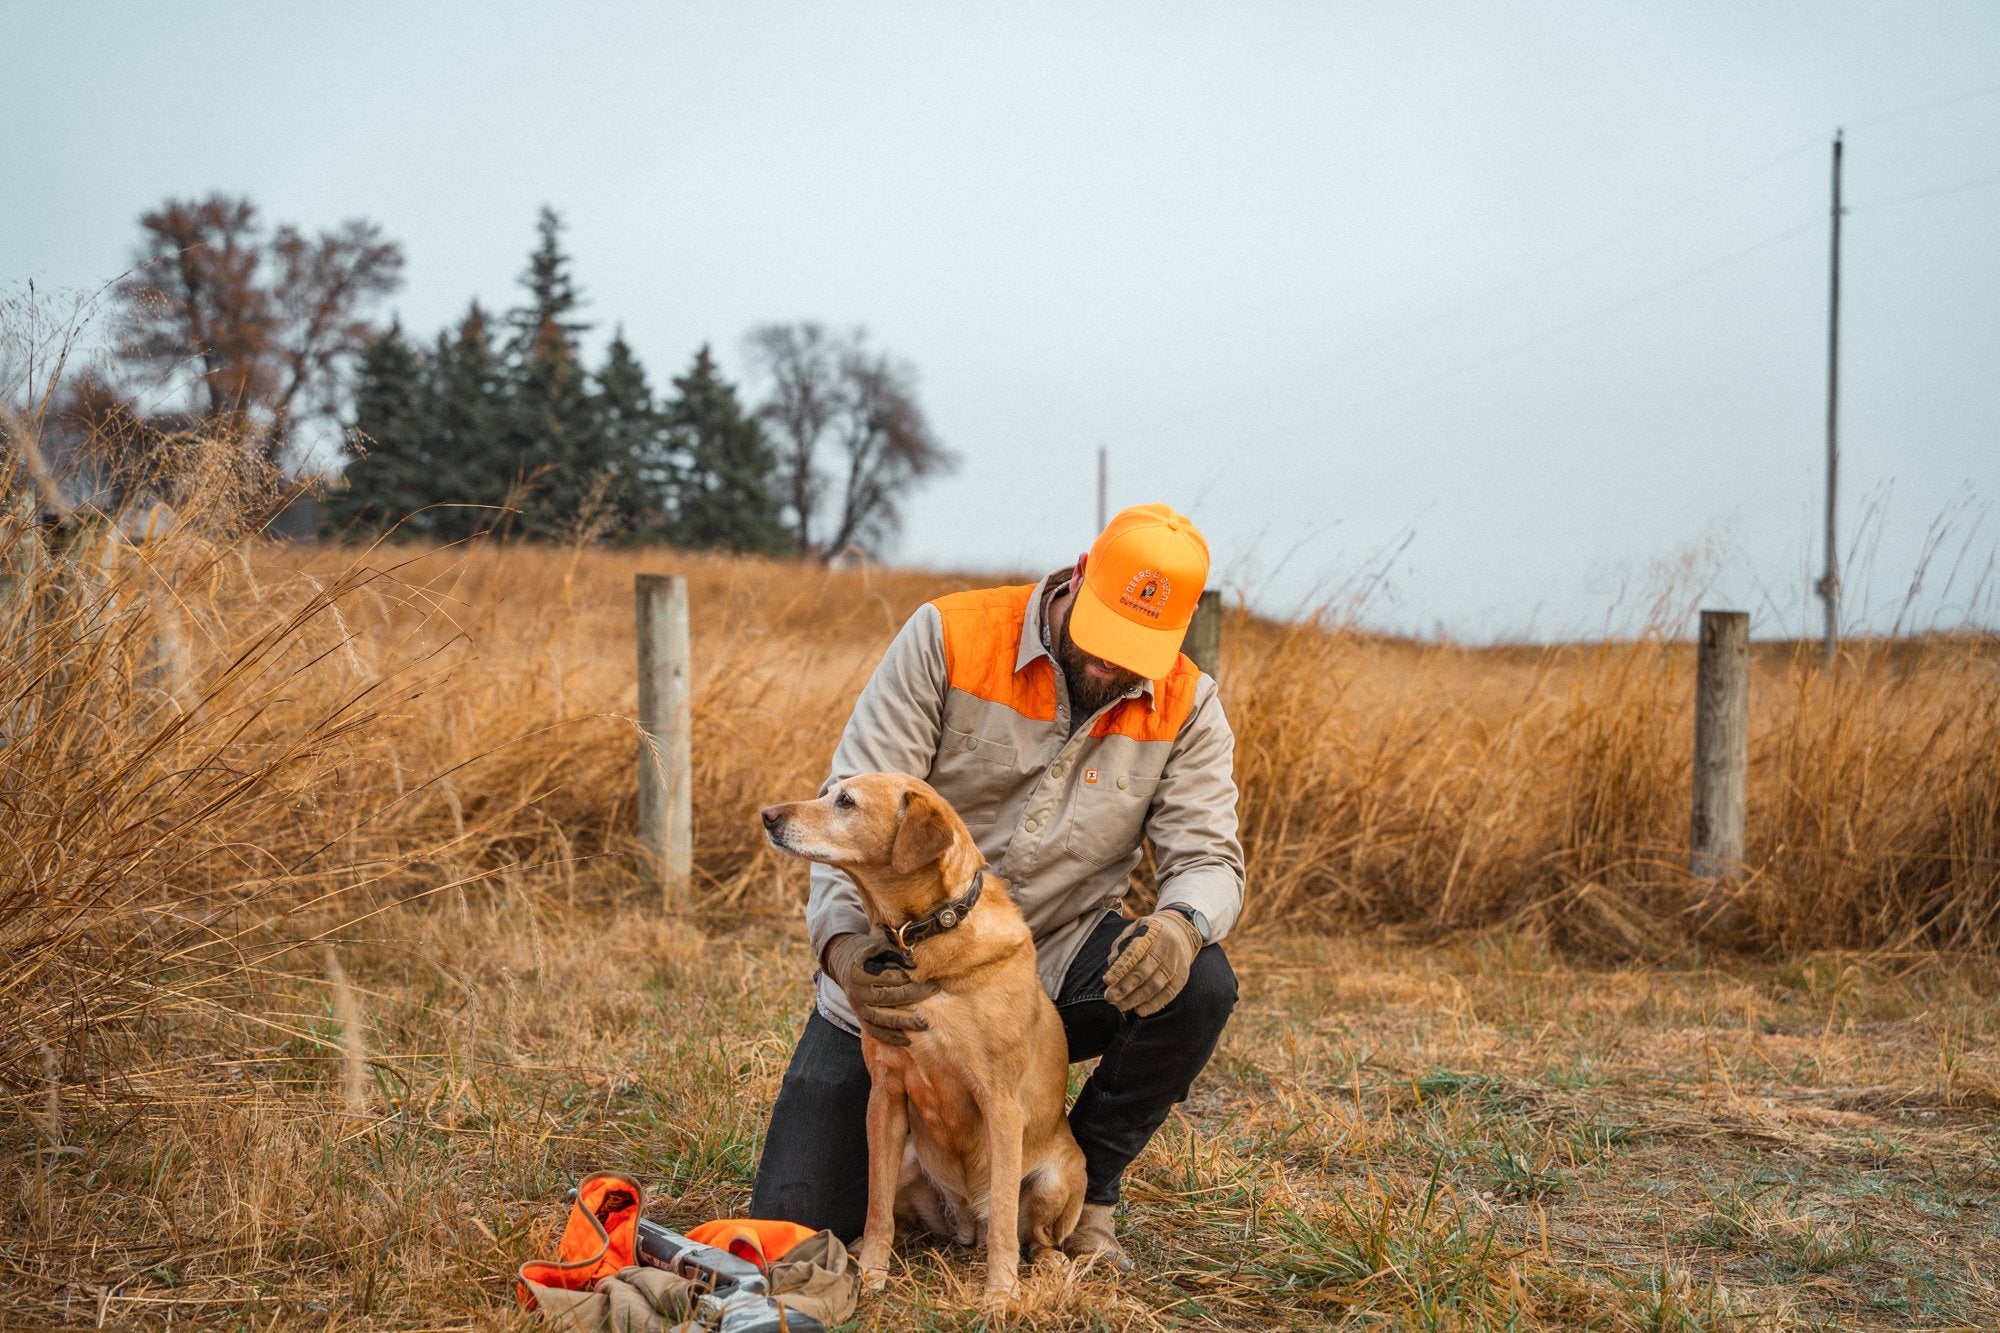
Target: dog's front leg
x,y
888,1130
1003,1192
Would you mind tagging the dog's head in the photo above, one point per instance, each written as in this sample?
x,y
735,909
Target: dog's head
x,y
894,836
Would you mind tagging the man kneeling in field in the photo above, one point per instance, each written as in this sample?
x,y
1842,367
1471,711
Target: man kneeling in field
x,y
1062,722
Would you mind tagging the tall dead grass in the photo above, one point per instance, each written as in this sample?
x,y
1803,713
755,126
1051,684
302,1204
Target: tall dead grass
x,y
174,727
216,750
1383,780
1450,788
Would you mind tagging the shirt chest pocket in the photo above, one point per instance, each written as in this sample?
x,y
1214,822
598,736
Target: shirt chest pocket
x,y
1109,817
975,774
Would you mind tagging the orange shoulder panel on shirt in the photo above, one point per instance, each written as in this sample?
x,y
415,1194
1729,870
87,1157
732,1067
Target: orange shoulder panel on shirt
x,y
1146,722
982,640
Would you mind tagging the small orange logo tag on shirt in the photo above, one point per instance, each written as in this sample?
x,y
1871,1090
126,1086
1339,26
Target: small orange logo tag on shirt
x,y
1090,776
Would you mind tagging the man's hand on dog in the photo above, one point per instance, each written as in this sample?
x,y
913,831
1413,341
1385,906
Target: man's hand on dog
x,y
1150,962
880,997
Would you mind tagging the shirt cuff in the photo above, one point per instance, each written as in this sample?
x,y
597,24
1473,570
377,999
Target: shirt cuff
x,y
840,919
1212,892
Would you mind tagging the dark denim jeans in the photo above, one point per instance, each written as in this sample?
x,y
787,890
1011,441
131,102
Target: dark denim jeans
x,y
815,1165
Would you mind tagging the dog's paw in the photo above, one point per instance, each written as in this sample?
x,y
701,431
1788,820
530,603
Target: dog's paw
x,y
1002,1288
1048,1257
874,1260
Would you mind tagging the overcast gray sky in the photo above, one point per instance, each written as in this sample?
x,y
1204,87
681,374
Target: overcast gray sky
x,y
1539,289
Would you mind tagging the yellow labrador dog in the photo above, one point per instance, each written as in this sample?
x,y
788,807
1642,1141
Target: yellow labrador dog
x,y
966,1127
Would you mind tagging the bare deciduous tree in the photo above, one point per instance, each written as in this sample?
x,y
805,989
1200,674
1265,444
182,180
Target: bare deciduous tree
x,y
323,285
194,300
850,437
267,321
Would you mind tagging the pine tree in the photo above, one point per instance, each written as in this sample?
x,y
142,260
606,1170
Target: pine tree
x,y
554,292
389,475
722,496
557,453
468,448
638,476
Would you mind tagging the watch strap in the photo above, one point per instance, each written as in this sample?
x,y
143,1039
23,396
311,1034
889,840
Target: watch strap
x,y
1200,922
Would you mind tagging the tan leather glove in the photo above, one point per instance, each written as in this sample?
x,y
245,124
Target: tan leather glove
x,y
1150,962
881,998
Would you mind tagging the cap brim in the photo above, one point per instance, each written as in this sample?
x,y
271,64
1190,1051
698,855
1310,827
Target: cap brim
x,y
1102,632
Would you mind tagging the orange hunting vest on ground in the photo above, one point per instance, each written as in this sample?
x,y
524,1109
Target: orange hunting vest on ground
x,y
601,1238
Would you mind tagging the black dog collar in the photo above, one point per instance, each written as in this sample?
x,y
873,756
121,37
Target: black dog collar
x,y
918,929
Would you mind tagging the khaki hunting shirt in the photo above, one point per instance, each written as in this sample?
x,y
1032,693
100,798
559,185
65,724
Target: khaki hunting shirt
x,y
968,699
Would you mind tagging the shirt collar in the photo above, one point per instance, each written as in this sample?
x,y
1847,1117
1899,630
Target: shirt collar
x,y
1031,637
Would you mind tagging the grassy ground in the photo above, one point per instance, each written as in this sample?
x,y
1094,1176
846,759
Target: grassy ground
x,y
324,969
1471,1135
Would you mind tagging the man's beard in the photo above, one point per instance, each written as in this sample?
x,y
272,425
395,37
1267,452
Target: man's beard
x,y
1087,694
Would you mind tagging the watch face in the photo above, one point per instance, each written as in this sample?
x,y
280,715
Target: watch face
x,y
1200,921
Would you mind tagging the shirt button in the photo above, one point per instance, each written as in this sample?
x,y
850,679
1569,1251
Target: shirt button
x,y
1122,783
972,742
1055,770
1030,826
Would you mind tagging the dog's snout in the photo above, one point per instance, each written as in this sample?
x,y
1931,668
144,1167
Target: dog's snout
x,y
774,815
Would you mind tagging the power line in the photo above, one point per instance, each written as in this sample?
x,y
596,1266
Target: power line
x,y
1980,183
1563,327
1484,297
1550,333
1590,317
1692,275
1450,312
1918,108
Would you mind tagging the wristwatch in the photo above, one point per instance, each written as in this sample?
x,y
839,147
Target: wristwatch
x,y
1200,921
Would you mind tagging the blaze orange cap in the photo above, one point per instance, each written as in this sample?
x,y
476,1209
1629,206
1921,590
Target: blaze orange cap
x,y
1141,583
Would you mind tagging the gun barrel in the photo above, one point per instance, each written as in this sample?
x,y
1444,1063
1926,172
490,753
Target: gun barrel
x,y
736,1295
718,1270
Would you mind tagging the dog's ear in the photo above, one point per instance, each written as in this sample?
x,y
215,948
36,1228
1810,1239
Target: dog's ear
x,y
923,832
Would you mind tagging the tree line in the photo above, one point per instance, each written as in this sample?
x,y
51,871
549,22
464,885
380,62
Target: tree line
x,y
496,424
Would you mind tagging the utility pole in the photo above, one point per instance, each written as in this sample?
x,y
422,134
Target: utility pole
x,y
1102,517
1829,583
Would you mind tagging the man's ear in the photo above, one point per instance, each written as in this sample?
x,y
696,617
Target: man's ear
x,y
923,832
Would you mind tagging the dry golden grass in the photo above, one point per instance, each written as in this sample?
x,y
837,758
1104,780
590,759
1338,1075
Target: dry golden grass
x,y
326,967
1446,1136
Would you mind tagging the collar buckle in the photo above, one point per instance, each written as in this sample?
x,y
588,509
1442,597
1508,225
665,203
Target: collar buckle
x,y
953,913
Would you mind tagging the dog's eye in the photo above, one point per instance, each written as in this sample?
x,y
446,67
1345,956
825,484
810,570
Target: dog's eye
x,y
843,802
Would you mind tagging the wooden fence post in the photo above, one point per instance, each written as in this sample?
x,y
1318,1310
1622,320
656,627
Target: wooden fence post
x,y
1204,635
666,808
1721,745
